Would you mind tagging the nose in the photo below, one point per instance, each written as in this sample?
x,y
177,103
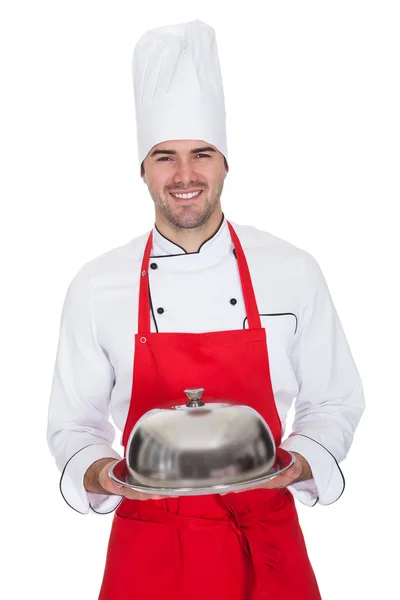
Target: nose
x,y
184,173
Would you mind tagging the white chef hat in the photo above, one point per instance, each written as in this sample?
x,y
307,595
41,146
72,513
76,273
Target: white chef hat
x,y
178,87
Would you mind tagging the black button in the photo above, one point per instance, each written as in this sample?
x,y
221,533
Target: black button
x,y
234,252
233,301
154,266
160,310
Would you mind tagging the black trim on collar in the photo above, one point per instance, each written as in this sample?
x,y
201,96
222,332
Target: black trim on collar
x,y
273,315
184,251
168,240
337,464
211,237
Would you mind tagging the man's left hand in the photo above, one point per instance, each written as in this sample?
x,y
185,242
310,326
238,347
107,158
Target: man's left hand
x,y
299,471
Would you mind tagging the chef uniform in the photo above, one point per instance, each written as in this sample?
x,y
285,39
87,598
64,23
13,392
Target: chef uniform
x,y
248,316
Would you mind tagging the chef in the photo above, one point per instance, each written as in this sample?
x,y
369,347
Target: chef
x,y
200,300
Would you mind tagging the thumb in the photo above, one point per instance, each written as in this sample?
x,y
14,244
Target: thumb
x,y
105,480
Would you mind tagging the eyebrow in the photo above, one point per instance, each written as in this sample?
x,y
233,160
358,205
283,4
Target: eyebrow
x,y
194,151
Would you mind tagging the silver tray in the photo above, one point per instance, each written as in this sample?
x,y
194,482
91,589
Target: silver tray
x,y
120,474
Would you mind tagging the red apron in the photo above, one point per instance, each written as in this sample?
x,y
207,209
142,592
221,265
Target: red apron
x,y
242,546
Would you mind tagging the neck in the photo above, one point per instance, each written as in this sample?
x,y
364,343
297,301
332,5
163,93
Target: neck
x,y
190,239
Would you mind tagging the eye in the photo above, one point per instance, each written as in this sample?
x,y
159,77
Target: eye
x,y
206,155
164,158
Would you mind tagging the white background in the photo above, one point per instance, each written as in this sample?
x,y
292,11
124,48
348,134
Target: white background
x,y
312,98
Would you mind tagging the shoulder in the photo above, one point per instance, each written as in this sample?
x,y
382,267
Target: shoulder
x,y
115,265
282,264
118,258
269,249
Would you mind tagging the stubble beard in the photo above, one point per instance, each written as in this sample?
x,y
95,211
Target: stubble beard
x,y
188,216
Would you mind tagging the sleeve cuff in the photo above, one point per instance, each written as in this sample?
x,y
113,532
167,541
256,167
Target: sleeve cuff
x,y
327,484
71,481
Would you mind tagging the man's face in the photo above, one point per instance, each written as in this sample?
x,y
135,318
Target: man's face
x,y
182,167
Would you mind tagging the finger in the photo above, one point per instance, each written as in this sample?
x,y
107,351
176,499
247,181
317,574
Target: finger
x,y
280,481
114,488
126,492
132,494
135,495
109,484
283,479
149,497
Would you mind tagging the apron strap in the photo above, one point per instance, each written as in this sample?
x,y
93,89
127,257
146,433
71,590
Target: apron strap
x,y
144,290
245,279
247,286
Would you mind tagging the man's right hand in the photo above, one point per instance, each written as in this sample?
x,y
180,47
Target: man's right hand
x,y
98,481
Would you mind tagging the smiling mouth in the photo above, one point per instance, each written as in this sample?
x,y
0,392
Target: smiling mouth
x,y
186,196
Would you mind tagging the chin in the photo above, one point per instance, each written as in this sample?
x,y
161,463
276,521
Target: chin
x,y
188,221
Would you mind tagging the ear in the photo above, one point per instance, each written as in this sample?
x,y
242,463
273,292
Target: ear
x,y
226,167
143,172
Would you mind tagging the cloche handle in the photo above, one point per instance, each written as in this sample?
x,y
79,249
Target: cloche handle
x,y
194,396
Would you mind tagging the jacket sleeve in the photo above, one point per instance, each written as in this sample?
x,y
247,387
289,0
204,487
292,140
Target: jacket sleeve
x,y
330,401
79,431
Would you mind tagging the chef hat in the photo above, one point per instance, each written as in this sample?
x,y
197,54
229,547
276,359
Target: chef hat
x,y
178,87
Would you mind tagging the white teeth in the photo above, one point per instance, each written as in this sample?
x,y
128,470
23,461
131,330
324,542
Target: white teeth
x,y
191,195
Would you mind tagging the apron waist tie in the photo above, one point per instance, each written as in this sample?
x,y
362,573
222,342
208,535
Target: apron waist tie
x,y
251,530
252,537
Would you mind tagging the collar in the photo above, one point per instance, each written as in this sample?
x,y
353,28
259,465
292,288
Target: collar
x,y
219,243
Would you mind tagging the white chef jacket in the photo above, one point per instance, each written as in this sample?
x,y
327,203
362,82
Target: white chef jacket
x,y
310,360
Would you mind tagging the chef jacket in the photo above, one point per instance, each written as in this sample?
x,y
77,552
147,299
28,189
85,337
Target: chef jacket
x,y
193,292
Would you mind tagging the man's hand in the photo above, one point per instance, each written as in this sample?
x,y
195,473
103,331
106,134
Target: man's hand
x,y
97,480
299,471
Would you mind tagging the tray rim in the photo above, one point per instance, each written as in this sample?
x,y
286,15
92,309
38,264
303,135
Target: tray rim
x,y
189,491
